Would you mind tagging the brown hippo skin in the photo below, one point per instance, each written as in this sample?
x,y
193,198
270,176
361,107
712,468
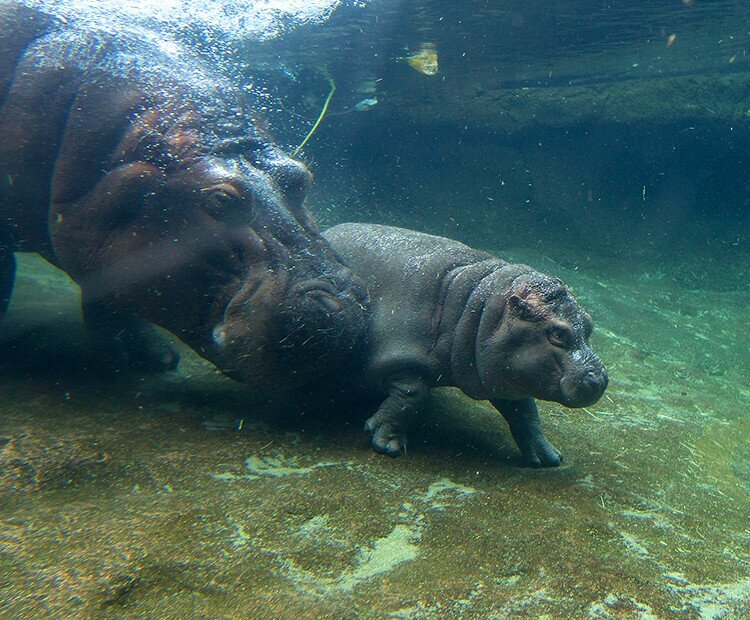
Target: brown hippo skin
x,y
447,315
148,180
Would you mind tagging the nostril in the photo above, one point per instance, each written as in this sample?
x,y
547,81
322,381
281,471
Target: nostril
x,y
596,379
325,299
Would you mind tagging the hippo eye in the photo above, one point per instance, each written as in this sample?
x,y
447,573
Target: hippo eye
x,y
225,191
560,336
221,198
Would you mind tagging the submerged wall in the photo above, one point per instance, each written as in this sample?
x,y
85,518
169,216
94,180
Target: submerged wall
x,y
618,128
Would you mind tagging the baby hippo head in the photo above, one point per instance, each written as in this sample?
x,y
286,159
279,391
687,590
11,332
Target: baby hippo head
x,y
533,341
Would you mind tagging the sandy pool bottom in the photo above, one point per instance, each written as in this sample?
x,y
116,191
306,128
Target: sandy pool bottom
x,y
169,497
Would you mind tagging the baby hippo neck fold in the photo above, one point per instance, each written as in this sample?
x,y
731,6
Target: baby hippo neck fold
x,y
459,308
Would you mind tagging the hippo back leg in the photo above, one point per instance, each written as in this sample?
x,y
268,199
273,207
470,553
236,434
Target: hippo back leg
x,y
121,341
388,426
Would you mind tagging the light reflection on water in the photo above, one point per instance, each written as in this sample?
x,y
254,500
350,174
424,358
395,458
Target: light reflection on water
x,y
235,19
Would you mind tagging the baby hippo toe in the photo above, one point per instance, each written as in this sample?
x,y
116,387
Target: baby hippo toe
x,y
549,459
543,454
386,438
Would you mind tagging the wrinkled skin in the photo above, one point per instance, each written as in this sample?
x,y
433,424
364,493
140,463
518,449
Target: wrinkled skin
x,y
447,315
148,180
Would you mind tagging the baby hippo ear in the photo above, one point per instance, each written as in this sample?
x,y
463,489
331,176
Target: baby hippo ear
x,y
528,309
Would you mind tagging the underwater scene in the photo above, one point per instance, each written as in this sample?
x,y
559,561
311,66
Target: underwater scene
x,y
375,309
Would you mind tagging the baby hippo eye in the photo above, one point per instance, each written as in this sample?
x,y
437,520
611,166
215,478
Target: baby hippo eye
x,y
560,336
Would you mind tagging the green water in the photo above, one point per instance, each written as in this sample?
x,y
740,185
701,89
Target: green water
x,y
571,138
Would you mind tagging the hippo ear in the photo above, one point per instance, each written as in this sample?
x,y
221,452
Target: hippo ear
x,y
292,176
525,309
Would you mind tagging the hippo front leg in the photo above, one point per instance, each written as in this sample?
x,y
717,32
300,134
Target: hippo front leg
x,y
526,427
388,425
124,342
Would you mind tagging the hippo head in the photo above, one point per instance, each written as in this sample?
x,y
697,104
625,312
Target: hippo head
x,y
297,311
533,341
214,245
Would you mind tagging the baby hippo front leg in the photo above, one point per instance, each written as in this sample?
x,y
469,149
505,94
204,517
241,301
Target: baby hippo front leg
x,y
523,419
388,425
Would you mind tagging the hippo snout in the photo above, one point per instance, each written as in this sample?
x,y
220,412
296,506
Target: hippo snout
x,y
332,294
325,318
584,388
327,300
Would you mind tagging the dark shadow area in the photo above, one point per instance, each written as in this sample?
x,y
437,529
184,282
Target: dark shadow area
x,y
53,359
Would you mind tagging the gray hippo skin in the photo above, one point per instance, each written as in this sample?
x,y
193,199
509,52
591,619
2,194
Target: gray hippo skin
x,y
447,315
147,177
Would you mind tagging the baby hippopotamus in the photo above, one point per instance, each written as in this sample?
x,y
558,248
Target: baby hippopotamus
x,y
445,314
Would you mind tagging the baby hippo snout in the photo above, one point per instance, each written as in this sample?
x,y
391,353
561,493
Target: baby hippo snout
x,y
584,385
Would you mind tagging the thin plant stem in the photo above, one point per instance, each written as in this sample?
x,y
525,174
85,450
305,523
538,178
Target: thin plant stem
x,y
320,118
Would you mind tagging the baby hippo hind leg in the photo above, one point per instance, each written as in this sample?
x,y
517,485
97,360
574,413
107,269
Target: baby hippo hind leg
x,y
121,341
389,424
526,427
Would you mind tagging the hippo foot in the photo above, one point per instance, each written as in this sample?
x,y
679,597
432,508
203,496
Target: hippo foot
x,y
523,419
541,453
154,355
143,350
386,438
122,342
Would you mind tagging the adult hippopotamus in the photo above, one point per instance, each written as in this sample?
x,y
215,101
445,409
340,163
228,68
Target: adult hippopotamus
x,y
145,175
447,315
